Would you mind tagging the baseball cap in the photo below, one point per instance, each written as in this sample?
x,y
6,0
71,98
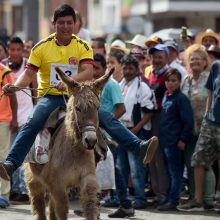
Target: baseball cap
x,y
172,44
159,47
154,39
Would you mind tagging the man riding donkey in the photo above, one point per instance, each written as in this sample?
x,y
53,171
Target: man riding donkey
x,y
75,57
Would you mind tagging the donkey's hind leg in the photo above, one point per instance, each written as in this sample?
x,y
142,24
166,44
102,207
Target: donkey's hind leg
x,y
88,197
37,199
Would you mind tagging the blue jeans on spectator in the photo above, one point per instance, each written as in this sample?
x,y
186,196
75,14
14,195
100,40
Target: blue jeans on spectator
x,y
175,165
39,116
121,188
18,184
129,162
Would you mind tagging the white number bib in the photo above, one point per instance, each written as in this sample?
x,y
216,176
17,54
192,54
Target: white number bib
x,y
69,70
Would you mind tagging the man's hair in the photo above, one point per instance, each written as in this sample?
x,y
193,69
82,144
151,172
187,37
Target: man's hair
x,y
15,40
101,59
101,41
173,72
129,59
64,10
117,54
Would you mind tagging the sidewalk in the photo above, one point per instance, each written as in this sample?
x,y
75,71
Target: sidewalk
x,y
22,212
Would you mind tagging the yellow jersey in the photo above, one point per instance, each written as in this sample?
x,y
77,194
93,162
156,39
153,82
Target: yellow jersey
x,y
47,54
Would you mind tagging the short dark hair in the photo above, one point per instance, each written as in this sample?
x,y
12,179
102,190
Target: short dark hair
x,y
15,40
100,58
117,54
129,59
62,11
101,41
173,72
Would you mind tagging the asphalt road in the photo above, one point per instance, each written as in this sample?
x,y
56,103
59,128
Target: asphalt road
x,y
22,212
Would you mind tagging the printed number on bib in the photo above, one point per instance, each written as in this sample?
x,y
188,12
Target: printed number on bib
x,y
69,70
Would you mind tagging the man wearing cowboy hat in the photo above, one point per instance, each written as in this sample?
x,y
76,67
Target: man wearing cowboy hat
x,y
207,38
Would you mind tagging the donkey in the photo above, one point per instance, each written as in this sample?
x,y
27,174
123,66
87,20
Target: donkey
x,y
71,156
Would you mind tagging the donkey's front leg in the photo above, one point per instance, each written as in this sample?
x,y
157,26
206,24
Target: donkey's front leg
x,y
88,196
60,202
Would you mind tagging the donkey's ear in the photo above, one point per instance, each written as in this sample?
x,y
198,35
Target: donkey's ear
x,y
70,82
99,83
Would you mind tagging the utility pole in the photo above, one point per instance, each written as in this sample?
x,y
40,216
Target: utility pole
x,y
148,30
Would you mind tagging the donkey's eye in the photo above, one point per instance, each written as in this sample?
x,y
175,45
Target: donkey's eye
x,y
78,109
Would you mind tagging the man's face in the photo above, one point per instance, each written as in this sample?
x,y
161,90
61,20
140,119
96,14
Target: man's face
x,y
64,27
98,70
27,48
97,49
208,41
159,60
15,52
129,71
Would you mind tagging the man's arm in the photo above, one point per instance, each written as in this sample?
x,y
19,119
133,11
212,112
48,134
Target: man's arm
x,y
85,73
14,107
23,81
34,86
146,118
208,102
120,110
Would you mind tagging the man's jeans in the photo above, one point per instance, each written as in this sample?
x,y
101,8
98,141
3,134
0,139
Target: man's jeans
x,y
39,116
120,133
27,135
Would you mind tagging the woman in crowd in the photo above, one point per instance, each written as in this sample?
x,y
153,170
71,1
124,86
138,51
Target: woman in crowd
x,y
194,87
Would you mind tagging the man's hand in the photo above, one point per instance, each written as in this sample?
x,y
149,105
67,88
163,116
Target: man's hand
x,y
61,87
14,126
181,145
9,88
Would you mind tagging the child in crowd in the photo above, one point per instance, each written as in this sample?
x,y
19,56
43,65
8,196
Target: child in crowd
x,y
114,60
176,125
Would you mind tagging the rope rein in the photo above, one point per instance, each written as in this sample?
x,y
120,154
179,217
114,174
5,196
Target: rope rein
x,y
23,89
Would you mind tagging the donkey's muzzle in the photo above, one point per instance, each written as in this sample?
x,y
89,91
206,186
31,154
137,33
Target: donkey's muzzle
x,y
89,137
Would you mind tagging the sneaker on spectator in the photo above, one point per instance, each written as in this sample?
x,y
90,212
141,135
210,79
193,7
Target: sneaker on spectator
x,y
122,213
192,205
167,207
208,206
4,202
139,205
20,199
217,196
111,203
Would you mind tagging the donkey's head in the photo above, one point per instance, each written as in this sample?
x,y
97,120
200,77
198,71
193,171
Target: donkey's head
x,y
82,108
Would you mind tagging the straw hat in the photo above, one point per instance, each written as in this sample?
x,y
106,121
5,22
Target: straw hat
x,y
207,33
138,40
119,45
